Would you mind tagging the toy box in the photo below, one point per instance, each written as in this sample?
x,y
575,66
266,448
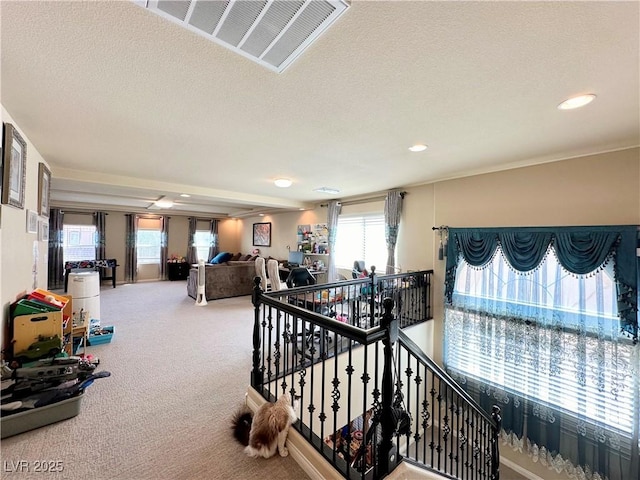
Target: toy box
x,y
28,328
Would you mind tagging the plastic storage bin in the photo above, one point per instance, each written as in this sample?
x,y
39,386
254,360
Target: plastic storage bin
x,y
39,417
103,338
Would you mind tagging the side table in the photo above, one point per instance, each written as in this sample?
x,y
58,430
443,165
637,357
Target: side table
x,y
177,270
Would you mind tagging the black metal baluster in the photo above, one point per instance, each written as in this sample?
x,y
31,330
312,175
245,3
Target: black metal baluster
x,y
459,432
474,425
432,445
446,429
439,447
372,298
485,457
322,416
349,370
417,436
465,444
365,424
269,329
426,416
311,407
335,406
495,433
277,354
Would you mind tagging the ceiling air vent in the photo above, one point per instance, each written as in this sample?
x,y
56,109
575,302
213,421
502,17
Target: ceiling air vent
x,y
272,33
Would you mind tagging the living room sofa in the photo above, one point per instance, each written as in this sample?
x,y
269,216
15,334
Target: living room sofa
x,y
229,279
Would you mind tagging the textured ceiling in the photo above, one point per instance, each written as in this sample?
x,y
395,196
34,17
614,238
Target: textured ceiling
x,y
127,106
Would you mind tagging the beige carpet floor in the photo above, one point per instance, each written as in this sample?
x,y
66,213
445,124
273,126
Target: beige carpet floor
x,y
178,372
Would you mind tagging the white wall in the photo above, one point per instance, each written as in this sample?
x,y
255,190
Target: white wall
x,y
23,263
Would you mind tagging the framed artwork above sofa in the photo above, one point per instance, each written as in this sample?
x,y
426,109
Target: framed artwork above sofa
x,y
262,234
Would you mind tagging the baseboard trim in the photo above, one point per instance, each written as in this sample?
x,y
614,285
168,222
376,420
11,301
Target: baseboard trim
x,y
518,469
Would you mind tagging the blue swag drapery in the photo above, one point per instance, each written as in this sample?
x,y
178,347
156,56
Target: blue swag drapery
x,y
513,350
580,250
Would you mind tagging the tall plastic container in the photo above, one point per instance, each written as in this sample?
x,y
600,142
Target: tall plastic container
x,y
84,287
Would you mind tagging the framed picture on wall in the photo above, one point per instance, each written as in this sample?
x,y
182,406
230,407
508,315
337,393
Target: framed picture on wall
x,y
14,164
44,230
262,234
44,187
32,221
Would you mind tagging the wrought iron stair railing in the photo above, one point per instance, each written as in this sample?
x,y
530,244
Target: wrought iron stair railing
x,y
366,396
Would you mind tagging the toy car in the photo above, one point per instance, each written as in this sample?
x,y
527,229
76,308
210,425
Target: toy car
x,y
45,346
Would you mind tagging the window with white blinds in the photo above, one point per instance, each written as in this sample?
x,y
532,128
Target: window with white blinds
x,y
78,243
361,237
202,241
547,336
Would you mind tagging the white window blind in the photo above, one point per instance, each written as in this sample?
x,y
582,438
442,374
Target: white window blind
x,y
203,243
149,240
78,243
361,237
548,336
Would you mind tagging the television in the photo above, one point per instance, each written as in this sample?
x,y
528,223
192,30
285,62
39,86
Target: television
x,y
295,258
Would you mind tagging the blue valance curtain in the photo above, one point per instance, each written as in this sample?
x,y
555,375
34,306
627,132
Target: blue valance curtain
x,y
580,250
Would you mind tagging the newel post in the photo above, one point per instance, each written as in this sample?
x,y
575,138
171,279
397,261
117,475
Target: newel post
x,y
495,452
387,452
256,373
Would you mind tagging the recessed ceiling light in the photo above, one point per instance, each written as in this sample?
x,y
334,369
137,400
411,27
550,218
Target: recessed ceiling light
x,y
283,182
576,102
185,195
418,148
327,190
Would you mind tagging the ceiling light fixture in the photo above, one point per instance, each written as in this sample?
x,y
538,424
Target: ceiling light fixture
x,y
327,190
163,202
282,182
185,195
577,102
418,148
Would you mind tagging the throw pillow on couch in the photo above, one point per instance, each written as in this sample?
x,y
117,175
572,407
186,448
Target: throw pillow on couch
x,y
222,257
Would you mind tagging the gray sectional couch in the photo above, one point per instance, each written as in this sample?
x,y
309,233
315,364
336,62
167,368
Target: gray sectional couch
x,y
229,279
